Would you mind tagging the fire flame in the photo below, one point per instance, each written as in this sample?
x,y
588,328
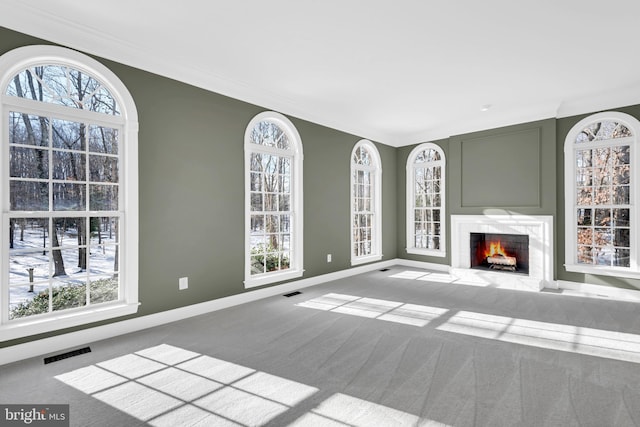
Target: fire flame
x,y
495,248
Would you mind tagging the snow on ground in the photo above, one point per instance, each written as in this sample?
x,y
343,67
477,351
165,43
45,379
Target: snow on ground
x,y
28,253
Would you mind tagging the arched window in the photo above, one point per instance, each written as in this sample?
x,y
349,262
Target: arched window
x,y
69,194
426,201
366,206
601,181
273,200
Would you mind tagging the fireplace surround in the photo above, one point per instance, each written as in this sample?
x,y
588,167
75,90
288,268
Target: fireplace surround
x,y
539,232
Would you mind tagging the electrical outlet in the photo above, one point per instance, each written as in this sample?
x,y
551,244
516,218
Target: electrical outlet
x,y
183,283
328,257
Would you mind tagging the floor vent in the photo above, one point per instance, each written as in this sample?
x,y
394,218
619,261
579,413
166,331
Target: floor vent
x,y
66,355
385,269
292,294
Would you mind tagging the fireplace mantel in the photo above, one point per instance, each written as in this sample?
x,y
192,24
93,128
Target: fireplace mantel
x,y
539,228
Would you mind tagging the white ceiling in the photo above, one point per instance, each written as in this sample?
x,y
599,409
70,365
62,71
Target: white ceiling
x,y
398,72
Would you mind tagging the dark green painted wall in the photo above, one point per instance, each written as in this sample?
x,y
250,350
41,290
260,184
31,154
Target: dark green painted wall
x,y
191,190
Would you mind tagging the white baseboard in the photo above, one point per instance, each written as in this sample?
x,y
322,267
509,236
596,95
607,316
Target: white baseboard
x,y
598,291
421,264
72,339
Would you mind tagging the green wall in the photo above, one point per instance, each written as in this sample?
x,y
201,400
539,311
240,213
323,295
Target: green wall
x,y
191,191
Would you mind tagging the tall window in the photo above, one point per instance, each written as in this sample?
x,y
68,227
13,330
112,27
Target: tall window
x,y
426,201
69,135
600,193
366,207
273,197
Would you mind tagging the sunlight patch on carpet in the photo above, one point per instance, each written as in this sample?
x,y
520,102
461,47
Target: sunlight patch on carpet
x,y
341,410
390,311
170,386
553,336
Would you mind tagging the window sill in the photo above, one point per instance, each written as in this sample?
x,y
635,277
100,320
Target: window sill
x,y
603,271
269,278
51,322
427,252
365,259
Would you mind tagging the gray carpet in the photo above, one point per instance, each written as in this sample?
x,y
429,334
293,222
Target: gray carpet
x,y
379,349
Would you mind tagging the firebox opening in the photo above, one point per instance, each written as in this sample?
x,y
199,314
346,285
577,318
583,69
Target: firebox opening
x,y
500,252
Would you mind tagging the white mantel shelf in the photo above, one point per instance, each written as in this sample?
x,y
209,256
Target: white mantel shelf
x,y
539,228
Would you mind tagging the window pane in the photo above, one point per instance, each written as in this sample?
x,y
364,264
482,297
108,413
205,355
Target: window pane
x,y
270,134
585,255
602,196
603,130
28,129
27,301
621,195
67,294
103,169
583,177
69,197
622,258
69,232
621,217
621,237
103,197
284,203
103,260
28,267
28,163
621,175
103,140
61,85
585,236
29,196
583,158
69,166
103,289
28,233
584,216
602,236
68,135
584,196
603,217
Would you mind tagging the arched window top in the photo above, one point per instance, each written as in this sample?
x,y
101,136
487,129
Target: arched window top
x,y
62,77
427,152
601,127
273,130
63,85
602,131
365,154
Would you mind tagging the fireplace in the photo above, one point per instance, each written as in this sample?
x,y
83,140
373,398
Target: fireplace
x,y
533,265
507,253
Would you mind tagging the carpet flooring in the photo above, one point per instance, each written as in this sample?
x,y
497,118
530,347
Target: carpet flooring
x,y
402,347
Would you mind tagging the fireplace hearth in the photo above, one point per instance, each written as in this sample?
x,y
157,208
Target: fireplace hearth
x,y
500,252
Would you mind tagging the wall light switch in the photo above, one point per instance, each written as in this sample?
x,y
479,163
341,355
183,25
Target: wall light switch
x,y
328,257
183,283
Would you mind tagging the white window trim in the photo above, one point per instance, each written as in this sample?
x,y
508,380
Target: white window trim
x,y
571,264
295,269
376,231
410,214
11,63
